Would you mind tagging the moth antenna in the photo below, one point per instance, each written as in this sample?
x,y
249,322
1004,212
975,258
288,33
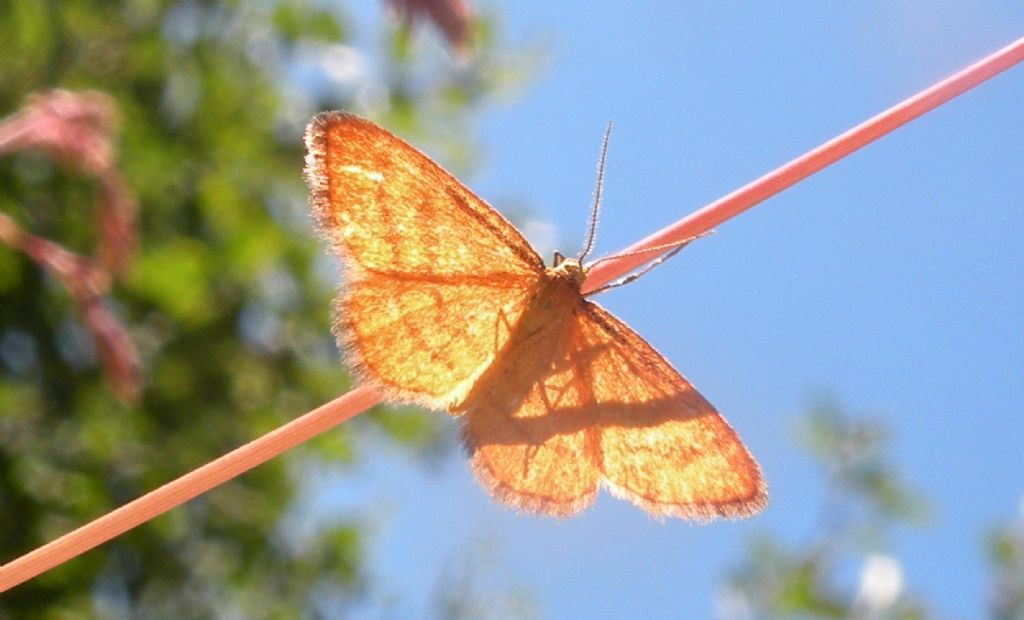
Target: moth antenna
x,y
596,207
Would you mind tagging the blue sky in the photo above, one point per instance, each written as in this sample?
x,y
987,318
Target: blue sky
x,y
892,281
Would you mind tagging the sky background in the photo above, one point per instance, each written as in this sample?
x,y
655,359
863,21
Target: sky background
x,y
891,281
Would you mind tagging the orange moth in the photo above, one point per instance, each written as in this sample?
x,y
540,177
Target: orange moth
x,y
446,305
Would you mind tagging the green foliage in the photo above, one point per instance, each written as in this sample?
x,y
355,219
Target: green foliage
x,y
227,302
469,589
852,454
1005,545
864,503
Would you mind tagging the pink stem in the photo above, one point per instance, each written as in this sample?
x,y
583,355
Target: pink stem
x,y
190,485
804,166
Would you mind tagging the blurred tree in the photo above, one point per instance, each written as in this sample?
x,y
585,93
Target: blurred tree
x,y
472,587
864,504
225,300
1006,555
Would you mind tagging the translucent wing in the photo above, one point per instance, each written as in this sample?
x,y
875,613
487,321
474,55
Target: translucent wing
x,y
422,341
432,271
662,445
610,408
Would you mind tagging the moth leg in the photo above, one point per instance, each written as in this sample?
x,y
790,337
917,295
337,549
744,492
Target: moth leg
x,y
500,320
580,363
